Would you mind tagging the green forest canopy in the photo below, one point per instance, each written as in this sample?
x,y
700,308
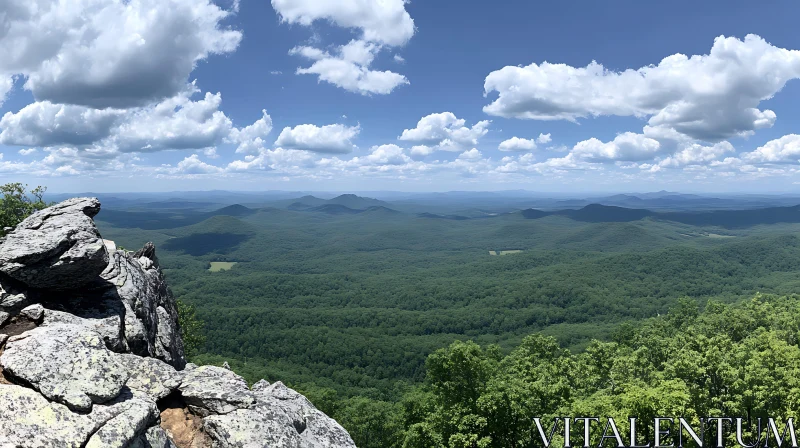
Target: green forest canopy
x,y
351,309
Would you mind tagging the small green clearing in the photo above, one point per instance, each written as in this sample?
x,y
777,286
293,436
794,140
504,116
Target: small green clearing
x,y
217,266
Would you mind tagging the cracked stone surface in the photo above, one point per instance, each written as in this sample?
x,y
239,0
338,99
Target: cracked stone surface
x,y
66,363
29,420
215,390
58,248
151,376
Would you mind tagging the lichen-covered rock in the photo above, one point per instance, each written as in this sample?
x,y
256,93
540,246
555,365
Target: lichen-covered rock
x,y
66,363
260,385
155,437
58,248
29,420
151,376
33,312
13,295
256,428
150,313
316,429
214,390
103,317
132,415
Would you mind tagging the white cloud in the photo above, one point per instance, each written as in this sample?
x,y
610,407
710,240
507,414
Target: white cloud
x,y
446,132
251,138
47,124
276,72
387,155
544,139
26,152
709,97
399,59
517,144
349,68
625,147
103,53
385,22
472,154
782,150
6,84
176,123
335,138
193,165
421,151
697,154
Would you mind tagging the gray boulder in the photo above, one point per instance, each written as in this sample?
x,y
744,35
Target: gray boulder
x,y
150,376
66,363
214,390
260,385
33,312
316,429
154,437
58,248
256,428
149,311
29,420
280,418
128,416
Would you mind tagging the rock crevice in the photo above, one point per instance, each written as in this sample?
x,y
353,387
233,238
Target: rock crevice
x,y
91,354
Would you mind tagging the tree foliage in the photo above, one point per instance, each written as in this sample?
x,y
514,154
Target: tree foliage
x,y
737,361
18,203
191,328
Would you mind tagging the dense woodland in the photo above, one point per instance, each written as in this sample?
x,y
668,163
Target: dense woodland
x,y
361,311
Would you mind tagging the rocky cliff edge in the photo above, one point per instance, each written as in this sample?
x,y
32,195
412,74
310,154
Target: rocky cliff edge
x,y
91,354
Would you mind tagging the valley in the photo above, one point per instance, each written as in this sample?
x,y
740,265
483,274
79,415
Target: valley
x,y
352,294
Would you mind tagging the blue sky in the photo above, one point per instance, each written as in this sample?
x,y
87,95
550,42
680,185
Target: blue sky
x,y
384,95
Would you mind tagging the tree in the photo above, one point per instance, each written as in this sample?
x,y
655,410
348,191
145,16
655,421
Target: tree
x,y
191,328
17,204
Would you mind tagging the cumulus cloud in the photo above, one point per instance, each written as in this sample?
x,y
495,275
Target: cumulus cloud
x,y
251,138
445,132
173,124
517,144
472,154
625,147
385,22
47,124
707,97
193,165
176,123
782,150
101,53
544,139
399,59
28,151
697,154
386,155
334,138
6,84
421,151
349,68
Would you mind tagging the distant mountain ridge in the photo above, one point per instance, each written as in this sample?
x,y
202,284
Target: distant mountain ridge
x,y
721,218
345,204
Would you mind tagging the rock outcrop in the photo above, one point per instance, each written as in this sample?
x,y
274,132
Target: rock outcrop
x,y
91,354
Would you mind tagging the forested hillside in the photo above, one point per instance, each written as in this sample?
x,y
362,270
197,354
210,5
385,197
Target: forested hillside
x,y
348,307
